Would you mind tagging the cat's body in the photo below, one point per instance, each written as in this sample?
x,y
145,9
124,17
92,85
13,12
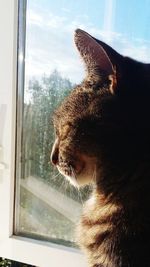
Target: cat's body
x,y
103,135
115,235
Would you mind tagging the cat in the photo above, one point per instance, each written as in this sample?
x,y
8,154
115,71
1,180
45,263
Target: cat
x,y
103,137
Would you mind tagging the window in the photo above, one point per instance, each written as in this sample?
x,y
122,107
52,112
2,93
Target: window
x,y
47,207
38,208
12,244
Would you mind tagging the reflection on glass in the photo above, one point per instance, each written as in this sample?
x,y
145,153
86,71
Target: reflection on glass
x,y
47,206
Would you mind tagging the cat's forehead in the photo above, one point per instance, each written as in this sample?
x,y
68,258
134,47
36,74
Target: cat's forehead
x,y
83,101
72,107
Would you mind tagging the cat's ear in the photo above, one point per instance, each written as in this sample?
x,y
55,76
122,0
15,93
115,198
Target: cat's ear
x,y
95,56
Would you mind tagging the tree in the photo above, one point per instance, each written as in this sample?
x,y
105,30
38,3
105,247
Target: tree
x,y
45,96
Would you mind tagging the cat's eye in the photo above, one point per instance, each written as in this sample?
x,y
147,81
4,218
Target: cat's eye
x,y
39,209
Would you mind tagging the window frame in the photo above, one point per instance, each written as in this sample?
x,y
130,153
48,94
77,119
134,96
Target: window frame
x,y
30,251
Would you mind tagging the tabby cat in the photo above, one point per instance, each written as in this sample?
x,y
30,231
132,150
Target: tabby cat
x,y
103,137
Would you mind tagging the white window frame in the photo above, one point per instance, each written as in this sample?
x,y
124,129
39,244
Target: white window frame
x,y
30,251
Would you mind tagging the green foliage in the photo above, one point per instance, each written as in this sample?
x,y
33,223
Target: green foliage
x,y
38,136
5,262
8,263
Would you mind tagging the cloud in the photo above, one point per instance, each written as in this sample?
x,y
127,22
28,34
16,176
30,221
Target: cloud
x,y
50,44
66,9
34,19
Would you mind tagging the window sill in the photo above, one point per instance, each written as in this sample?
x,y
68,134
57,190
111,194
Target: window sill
x,y
40,253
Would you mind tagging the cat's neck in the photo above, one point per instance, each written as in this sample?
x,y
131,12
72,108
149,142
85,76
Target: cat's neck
x,y
131,189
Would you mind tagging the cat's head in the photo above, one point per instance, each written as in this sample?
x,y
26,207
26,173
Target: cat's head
x,y
99,125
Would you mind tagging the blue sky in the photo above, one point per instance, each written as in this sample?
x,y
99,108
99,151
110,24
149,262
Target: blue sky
x,y
125,25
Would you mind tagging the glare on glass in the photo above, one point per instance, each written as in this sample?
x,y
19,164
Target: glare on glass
x,y
47,206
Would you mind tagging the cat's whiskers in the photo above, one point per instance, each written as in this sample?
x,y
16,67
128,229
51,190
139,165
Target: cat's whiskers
x,y
77,187
80,197
71,190
74,177
91,185
93,180
61,187
53,177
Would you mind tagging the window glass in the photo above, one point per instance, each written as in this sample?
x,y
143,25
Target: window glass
x,y
47,206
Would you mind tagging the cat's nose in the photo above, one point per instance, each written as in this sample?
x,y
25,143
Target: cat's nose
x,y
54,153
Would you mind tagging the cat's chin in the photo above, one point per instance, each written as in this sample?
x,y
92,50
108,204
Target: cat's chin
x,y
88,173
70,178
87,176
84,173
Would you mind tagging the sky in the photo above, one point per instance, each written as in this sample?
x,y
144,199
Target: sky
x,y
125,25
